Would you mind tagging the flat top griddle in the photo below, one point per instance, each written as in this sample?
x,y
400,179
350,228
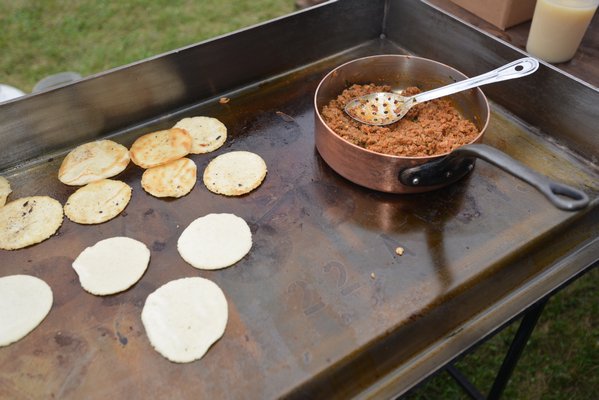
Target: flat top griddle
x,y
322,305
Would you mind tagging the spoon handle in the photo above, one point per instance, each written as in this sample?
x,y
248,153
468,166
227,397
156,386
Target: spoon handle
x,y
515,69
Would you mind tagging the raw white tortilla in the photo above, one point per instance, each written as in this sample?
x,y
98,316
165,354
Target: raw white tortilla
x,y
184,317
111,265
24,303
215,241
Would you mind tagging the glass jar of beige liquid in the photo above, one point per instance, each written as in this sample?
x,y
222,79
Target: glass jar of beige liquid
x,y
558,27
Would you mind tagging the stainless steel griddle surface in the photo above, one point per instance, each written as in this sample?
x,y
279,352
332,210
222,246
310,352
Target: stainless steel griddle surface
x,y
322,305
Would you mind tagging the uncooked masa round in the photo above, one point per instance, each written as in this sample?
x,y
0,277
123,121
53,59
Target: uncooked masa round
x,y
24,303
184,317
112,265
215,241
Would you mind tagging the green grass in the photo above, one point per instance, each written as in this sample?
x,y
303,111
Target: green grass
x,y
40,38
561,359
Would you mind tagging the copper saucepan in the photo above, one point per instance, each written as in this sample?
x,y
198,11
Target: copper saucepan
x,y
396,174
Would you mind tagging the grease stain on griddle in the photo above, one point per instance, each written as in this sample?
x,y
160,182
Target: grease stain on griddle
x,y
470,210
110,301
285,117
158,246
307,357
495,191
62,339
346,319
267,128
271,248
334,206
103,331
70,348
128,297
122,339
378,296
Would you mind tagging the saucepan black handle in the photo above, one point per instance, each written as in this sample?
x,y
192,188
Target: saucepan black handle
x,y
440,171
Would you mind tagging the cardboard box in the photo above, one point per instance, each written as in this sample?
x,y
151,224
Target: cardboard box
x,y
501,13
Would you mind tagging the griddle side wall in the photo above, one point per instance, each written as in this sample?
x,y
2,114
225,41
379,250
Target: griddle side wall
x,y
102,104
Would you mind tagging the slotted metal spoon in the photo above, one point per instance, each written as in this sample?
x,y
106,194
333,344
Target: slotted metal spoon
x,y
384,108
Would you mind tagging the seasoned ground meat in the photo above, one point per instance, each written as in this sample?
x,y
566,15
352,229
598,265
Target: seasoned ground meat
x,y
431,128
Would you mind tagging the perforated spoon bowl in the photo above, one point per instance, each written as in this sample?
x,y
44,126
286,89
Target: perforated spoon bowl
x,y
384,108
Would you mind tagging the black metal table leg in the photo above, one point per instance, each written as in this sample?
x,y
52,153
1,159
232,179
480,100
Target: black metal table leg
x,y
527,325
529,320
464,383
